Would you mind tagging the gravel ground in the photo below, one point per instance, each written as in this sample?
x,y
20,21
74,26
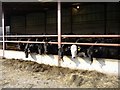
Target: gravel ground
x,y
27,74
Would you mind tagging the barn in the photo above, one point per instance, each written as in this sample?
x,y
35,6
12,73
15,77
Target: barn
x,y
58,24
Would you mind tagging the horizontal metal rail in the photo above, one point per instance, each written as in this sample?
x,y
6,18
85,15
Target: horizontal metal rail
x,y
29,36
29,42
93,36
94,44
83,36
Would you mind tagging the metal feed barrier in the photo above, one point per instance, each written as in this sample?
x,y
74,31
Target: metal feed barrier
x,y
64,36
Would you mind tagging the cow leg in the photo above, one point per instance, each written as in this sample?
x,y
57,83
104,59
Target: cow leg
x,y
91,58
26,50
90,54
26,54
39,49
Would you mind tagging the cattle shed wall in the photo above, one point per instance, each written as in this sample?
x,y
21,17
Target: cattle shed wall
x,y
88,19
107,66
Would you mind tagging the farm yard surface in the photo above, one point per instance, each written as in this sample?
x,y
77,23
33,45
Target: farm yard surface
x,y
27,74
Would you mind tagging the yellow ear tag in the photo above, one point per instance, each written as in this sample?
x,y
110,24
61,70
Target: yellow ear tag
x,y
79,48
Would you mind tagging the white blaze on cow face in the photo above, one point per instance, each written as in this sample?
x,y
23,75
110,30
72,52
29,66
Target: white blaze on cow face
x,y
74,51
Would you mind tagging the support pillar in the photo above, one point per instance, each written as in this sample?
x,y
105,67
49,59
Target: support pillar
x,y
59,29
1,54
3,33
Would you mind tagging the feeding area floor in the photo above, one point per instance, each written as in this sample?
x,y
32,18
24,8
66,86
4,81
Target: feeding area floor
x,y
28,74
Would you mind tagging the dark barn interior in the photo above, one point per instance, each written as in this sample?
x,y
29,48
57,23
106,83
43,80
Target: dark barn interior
x,y
77,18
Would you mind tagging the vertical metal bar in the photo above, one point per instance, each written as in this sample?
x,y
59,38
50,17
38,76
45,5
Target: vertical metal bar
x,y
59,29
59,24
3,33
0,18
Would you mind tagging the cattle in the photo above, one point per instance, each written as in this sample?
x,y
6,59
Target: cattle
x,y
99,51
44,48
109,52
83,51
67,48
50,48
32,48
72,50
21,46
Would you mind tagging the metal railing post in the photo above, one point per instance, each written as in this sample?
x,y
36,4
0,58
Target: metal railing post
x,y
59,29
3,34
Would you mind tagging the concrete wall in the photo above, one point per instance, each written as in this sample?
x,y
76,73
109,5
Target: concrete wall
x,y
108,66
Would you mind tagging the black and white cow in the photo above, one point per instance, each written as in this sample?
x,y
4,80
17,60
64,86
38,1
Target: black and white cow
x,y
73,50
33,48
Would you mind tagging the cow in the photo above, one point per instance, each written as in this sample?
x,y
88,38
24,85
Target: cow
x,y
32,48
50,48
21,46
72,50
